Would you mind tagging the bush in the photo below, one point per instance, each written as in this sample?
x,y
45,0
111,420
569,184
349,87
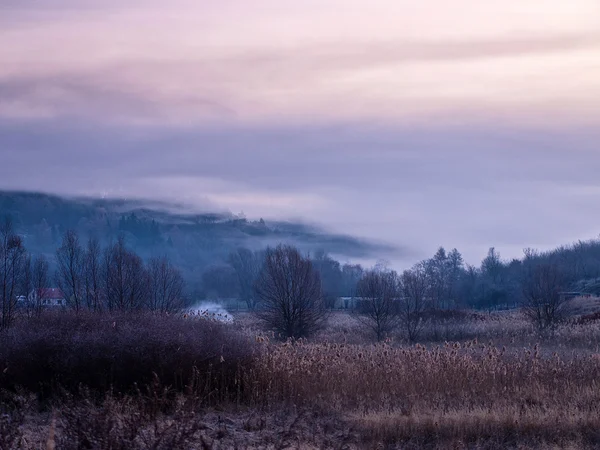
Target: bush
x,y
123,352
10,429
124,424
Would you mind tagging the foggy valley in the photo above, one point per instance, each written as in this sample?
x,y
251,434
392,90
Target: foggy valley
x,y
273,225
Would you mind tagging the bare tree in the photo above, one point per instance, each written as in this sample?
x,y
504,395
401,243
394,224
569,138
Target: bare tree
x,y
413,301
542,285
92,274
437,269
247,265
455,270
39,281
12,255
137,280
166,285
220,281
108,274
70,268
351,273
378,305
26,283
289,292
330,272
125,279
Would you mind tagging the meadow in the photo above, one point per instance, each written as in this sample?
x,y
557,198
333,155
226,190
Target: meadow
x,y
140,380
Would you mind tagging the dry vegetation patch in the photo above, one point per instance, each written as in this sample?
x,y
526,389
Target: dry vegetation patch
x,y
201,384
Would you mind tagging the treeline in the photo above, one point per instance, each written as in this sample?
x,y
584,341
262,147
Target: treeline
x,y
498,283
449,282
538,284
290,291
112,278
110,274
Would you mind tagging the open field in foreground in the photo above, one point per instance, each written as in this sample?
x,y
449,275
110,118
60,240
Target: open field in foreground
x,y
146,381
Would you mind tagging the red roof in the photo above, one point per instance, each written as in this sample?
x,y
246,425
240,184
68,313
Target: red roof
x,y
51,294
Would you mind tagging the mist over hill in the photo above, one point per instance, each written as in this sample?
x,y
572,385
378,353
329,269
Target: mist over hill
x,y
194,241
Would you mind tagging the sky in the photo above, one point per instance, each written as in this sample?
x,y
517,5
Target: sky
x,y
464,124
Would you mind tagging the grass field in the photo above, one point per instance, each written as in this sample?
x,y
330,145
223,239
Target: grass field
x,y
476,380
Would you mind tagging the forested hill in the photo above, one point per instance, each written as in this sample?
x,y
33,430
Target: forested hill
x,y
192,241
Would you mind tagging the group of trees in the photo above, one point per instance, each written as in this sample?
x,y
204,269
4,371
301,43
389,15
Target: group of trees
x,y
293,295
388,300
284,282
293,299
113,278
535,283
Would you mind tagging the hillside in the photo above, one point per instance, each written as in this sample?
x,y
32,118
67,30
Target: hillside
x,y
194,241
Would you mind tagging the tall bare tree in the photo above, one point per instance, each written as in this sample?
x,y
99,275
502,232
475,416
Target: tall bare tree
x,y
413,301
166,285
289,292
125,279
92,264
70,263
40,281
247,265
12,255
108,273
378,304
351,273
455,271
542,285
437,273
330,272
26,282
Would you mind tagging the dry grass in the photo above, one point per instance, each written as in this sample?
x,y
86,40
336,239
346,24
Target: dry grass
x,y
471,394
581,306
499,390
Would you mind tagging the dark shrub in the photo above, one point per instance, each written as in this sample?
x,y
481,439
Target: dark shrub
x,y
123,352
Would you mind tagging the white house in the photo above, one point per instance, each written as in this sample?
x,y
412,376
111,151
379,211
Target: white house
x,y
47,297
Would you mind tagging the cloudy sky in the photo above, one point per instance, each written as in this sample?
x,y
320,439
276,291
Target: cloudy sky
x,y
466,124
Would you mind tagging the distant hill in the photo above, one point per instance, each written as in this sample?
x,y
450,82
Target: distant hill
x,y
193,241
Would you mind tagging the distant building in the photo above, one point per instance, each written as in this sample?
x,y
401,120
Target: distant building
x,y
47,297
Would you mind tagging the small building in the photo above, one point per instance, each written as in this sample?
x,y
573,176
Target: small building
x,y
47,297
